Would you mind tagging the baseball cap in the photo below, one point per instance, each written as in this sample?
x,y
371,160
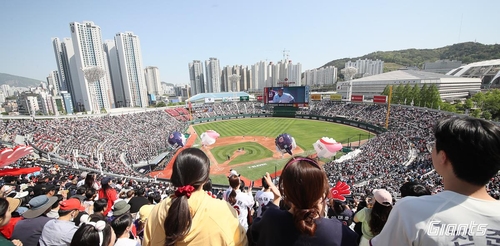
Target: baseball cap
x,y
71,204
105,180
233,172
383,197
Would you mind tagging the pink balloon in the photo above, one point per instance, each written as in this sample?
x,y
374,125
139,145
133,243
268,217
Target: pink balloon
x,y
212,134
331,146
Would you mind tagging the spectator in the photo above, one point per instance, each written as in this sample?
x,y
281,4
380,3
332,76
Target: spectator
x,y
94,233
171,222
374,218
108,192
29,230
339,210
240,201
466,154
138,201
54,212
60,231
263,197
99,207
122,226
413,189
5,215
304,223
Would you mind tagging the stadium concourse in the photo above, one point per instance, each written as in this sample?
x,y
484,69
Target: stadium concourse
x,y
394,157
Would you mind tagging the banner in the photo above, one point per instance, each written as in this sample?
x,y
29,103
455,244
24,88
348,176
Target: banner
x,y
316,97
357,98
380,99
336,97
209,100
259,98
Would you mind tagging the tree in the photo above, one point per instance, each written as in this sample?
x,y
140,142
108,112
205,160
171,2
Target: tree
x,y
386,90
415,95
487,115
434,97
468,104
479,98
397,94
446,106
423,96
476,113
406,94
160,104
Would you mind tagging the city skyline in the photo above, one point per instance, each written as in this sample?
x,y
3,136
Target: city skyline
x,y
325,31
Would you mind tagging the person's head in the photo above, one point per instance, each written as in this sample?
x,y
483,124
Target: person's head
x,y
234,182
304,186
100,205
380,210
90,194
140,192
60,198
130,194
5,213
121,207
190,172
89,180
81,190
466,148
69,209
413,189
208,185
106,183
280,91
338,206
265,184
94,233
122,224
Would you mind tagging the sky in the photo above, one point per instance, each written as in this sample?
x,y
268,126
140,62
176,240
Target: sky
x,y
174,33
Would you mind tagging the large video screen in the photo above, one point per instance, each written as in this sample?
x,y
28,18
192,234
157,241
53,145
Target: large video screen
x,y
297,96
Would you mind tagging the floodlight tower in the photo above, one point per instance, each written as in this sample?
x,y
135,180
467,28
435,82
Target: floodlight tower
x,y
92,75
349,72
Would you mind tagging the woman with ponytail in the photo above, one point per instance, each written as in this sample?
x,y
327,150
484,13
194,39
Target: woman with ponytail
x,y
304,187
241,201
191,216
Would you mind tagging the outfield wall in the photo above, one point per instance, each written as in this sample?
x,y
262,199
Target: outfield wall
x,y
339,120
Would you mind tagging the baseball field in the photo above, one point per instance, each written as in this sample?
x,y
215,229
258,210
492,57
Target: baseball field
x,y
247,145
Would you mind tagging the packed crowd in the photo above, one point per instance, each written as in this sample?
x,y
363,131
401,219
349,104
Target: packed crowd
x,y
122,140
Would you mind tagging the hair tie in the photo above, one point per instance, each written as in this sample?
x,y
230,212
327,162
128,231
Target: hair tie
x,y
99,227
185,190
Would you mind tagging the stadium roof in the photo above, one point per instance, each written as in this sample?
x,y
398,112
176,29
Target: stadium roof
x,y
403,75
218,95
488,71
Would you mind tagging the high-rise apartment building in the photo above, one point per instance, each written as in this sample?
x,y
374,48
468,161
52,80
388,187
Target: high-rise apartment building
x,y
114,72
132,74
53,82
212,69
153,82
366,67
197,78
87,45
321,76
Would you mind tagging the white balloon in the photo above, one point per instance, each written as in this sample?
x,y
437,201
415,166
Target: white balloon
x,y
206,139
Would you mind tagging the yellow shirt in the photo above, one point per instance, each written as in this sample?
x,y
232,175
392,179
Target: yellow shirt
x,y
214,222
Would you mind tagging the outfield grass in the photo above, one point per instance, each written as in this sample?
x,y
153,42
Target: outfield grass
x,y
305,132
253,151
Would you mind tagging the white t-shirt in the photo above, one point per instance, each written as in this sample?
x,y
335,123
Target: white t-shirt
x,y
127,242
243,202
447,218
263,197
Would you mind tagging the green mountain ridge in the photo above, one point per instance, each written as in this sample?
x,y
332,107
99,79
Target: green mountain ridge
x,y
18,81
466,52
